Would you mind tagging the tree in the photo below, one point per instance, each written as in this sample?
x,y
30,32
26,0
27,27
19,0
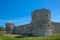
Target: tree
x,y
2,28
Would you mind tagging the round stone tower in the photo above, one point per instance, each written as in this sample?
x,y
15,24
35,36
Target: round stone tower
x,y
10,28
41,23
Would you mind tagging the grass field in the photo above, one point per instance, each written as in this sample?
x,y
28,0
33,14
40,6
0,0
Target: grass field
x,y
12,37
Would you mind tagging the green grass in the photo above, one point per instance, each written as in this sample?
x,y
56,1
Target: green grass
x,y
12,37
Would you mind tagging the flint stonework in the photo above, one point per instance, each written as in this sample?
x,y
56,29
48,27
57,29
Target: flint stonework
x,y
40,25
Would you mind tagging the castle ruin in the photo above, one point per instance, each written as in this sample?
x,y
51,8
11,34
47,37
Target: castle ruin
x,y
41,25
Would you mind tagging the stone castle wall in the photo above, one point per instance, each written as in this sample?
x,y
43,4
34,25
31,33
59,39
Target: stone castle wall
x,y
56,27
24,29
10,27
41,25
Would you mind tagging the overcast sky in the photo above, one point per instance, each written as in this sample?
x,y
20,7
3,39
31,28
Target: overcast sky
x,y
19,11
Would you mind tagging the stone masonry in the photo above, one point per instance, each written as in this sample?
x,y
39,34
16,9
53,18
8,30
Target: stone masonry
x,y
10,27
40,25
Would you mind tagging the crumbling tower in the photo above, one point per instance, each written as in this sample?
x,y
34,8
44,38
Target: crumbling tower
x,y
41,23
10,28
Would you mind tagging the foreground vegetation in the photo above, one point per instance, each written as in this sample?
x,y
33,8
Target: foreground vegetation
x,y
12,37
